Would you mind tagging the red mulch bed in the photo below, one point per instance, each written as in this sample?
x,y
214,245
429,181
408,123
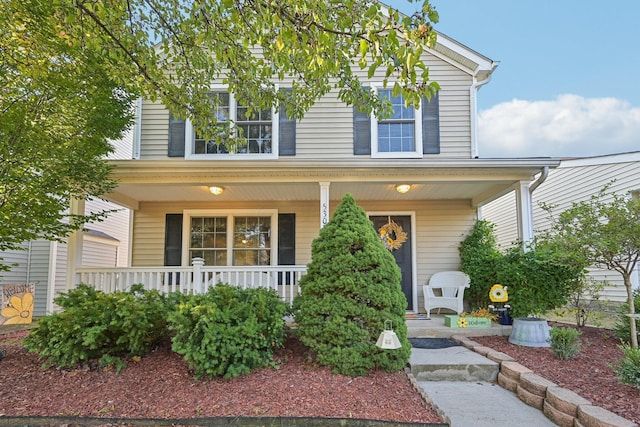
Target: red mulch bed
x,y
161,386
588,374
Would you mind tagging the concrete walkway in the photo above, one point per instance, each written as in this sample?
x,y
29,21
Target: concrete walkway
x,y
482,404
461,383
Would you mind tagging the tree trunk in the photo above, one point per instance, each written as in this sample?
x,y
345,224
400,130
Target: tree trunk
x,y
632,310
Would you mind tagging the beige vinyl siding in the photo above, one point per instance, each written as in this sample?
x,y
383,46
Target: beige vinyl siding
x,y
440,226
574,181
149,226
155,130
326,131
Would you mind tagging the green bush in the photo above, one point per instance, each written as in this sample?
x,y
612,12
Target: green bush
x,y
565,342
95,325
628,368
228,331
622,328
351,287
539,279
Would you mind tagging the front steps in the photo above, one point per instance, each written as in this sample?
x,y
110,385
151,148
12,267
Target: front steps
x,y
455,363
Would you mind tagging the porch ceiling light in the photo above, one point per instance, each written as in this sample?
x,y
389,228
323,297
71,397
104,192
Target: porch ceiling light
x,y
403,188
216,190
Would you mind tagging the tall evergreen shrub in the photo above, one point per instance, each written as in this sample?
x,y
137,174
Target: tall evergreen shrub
x,y
351,287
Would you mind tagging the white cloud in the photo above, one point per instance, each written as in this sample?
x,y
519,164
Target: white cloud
x,y
567,126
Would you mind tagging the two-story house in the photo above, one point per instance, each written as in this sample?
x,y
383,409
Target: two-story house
x,y
251,216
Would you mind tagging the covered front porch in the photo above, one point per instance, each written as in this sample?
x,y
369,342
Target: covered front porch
x,y
296,199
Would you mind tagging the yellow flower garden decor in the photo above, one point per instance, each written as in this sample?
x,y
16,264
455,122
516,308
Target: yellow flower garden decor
x,y
19,310
498,293
462,322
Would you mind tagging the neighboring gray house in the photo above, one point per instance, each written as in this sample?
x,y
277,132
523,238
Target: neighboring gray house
x,y
575,180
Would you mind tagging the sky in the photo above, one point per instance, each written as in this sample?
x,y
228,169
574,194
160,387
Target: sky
x,y
568,83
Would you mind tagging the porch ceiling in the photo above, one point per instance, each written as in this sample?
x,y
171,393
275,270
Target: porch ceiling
x,y
477,180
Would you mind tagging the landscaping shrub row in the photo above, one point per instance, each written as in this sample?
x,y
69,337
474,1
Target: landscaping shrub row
x,y
225,332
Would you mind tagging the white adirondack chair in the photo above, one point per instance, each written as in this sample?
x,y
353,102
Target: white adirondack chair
x,y
445,290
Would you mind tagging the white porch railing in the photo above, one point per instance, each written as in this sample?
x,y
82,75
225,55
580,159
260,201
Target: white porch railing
x,y
195,279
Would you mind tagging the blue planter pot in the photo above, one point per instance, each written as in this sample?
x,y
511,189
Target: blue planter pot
x,y
505,318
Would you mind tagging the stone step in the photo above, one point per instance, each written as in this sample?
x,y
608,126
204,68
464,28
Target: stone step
x,y
455,363
436,329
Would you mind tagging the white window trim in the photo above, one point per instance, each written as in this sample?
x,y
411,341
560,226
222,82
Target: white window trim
x,y
190,135
417,134
186,229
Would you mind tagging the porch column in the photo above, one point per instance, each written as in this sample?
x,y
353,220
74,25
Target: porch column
x,y
524,206
74,245
324,203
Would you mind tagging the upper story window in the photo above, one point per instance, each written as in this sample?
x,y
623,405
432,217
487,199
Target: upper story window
x,y
256,128
407,133
397,133
267,134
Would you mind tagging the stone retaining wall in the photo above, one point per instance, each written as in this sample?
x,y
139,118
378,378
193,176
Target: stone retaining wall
x,y
560,405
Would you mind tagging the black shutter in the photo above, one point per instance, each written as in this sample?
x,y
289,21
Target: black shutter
x,y
173,240
431,125
287,133
361,132
176,137
286,239
286,243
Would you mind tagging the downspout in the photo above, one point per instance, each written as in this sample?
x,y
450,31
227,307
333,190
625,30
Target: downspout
x,y
542,178
473,98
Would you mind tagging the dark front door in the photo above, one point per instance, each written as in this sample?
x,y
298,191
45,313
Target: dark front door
x,y
402,254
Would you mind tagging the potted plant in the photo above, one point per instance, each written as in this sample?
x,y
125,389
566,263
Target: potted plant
x,y
499,297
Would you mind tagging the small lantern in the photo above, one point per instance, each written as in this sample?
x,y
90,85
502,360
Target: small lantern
x,y
388,339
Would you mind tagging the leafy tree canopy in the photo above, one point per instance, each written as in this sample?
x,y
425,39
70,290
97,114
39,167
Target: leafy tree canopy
x,y
171,50
58,109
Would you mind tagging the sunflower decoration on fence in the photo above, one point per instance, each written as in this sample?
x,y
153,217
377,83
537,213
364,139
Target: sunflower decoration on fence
x,y
392,235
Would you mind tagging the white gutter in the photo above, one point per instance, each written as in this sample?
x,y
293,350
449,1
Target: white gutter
x,y
542,178
473,98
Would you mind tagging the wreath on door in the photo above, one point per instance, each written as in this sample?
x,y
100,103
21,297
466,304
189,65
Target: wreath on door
x,y
392,235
